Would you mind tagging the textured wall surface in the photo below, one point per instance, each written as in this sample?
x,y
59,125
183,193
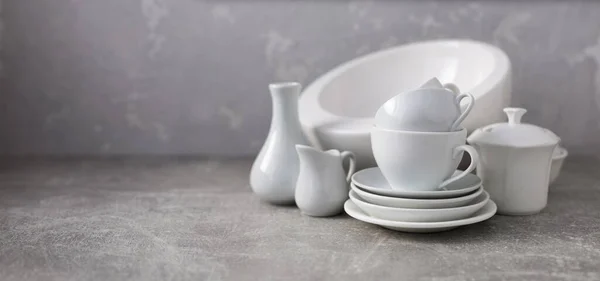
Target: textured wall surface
x,y
183,76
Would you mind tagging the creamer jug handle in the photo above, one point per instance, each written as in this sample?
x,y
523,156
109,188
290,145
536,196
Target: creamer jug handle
x,y
352,159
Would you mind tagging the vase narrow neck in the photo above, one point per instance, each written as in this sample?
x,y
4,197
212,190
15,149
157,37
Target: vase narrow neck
x,y
285,108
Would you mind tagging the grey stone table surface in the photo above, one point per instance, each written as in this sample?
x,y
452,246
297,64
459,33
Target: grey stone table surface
x,y
190,219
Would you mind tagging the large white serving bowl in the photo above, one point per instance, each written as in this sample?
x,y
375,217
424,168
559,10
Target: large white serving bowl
x,y
337,110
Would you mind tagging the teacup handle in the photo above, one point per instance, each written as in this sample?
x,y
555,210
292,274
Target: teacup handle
x,y
452,87
465,112
474,160
352,159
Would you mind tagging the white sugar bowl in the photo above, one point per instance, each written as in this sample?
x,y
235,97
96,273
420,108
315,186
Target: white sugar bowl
x,y
514,162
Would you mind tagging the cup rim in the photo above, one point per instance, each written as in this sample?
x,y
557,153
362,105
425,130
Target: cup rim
x,y
281,85
431,89
375,127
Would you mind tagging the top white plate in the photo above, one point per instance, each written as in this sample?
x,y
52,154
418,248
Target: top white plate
x,y
372,180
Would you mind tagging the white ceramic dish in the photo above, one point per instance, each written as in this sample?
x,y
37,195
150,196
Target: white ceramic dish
x,y
421,161
337,110
558,158
420,215
421,227
424,110
274,172
372,180
516,159
396,202
322,186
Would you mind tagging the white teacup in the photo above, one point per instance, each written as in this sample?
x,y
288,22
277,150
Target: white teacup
x,y
424,110
421,161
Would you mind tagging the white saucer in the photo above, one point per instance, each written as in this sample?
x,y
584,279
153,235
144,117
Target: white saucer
x,y
411,203
421,227
372,180
420,215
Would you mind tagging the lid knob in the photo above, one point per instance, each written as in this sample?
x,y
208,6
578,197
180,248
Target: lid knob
x,y
514,114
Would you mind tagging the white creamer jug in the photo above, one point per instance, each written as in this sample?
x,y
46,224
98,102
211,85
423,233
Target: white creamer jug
x,y
322,186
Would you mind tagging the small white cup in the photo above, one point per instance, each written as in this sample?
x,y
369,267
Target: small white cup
x,y
424,110
421,161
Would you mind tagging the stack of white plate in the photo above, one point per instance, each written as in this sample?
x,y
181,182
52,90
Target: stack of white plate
x,y
372,200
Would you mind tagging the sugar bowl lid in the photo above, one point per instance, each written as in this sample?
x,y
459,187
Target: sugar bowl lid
x,y
514,133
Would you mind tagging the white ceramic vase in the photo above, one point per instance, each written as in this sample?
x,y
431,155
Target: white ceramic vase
x,y
322,186
275,171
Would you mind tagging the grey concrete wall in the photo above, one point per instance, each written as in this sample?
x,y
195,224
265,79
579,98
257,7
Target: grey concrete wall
x,y
183,76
